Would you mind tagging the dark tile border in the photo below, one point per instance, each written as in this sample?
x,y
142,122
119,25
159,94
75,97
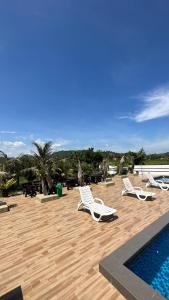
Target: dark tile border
x,y
113,266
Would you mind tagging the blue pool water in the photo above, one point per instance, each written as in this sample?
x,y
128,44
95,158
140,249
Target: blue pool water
x,y
152,263
165,179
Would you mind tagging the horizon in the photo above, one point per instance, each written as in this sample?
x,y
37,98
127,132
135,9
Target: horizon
x,y
54,150
88,74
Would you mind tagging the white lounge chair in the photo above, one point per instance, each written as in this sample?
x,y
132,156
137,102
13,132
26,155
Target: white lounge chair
x,y
152,182
97,210
134,190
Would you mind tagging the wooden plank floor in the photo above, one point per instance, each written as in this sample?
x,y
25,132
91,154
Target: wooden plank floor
x,y
53,251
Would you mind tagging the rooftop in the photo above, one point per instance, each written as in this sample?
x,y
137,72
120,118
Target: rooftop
x,y
53,251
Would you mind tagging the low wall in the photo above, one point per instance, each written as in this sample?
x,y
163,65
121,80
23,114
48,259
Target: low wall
x,y
154,169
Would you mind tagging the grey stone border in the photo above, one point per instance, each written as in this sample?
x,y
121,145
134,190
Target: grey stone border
x,y
113,266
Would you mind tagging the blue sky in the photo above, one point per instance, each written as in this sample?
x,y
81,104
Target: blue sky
x,y
84,73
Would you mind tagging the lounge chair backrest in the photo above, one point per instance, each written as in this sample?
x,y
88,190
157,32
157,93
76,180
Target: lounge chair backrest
x,y
127,184
86,195
150,178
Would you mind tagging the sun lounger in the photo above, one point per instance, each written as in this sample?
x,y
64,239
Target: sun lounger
x,y
134,190
152,182
97,210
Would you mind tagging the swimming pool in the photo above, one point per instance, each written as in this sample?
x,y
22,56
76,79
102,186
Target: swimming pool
x,y
152,263
165,179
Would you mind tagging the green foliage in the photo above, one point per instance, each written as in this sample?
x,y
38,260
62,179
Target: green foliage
x,y
87,168
14,167
67,161
64,164
89,156
3,161
7,184
136,158
27,161
158,161
29,173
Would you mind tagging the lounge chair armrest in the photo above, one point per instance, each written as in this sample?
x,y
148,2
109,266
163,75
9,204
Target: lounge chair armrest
x,y
138,188
100,200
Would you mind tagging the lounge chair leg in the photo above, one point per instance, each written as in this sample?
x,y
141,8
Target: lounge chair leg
x,y
95,218
163,188
142,198
78,206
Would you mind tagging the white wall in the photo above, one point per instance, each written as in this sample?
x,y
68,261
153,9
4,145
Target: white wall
x,y
154,169
112,170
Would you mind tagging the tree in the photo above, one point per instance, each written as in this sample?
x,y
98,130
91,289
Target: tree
x,y
29,173
80,174
43,161
136,158
27,161
131,159
121,165
140,157
3,161
104,168
14,167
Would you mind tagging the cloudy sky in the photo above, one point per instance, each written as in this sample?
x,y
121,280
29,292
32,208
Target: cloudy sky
x,y
84,73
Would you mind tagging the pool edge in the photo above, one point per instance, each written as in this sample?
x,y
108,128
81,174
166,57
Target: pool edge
x,y
113,266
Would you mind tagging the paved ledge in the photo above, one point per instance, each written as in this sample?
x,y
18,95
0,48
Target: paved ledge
x,y
46,247
106,184
4,208
42,198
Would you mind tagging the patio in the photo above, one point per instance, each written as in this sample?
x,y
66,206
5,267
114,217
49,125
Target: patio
x,y
53,251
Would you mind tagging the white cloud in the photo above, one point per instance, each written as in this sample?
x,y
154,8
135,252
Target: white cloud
x,y
59,144
40,142
13,148
7,132
14,144
56,145
156,105
122,117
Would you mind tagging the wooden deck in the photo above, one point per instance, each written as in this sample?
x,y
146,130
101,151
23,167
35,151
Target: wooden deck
x,y
53,251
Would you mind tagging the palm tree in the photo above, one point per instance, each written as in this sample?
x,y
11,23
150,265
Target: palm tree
x,y
43,160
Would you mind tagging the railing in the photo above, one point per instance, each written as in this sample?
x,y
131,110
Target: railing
x,y
154,169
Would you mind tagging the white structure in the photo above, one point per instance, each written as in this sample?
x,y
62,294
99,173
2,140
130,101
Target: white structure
x,y
87,201
156,170
112,170
135,190
154,183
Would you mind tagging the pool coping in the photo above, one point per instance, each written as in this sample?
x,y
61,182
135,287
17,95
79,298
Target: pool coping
x,y
113,266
